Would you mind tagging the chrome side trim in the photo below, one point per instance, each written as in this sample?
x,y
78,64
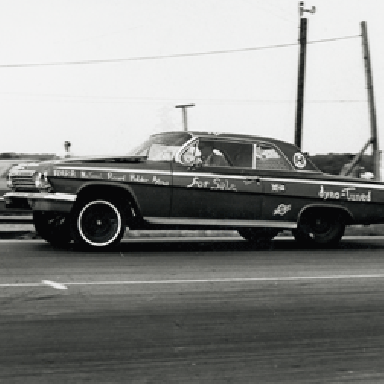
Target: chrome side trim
x,y
221,222
213,175
114,170
345,183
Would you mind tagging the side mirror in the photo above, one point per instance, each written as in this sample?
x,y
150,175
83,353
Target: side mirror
x,y
197,163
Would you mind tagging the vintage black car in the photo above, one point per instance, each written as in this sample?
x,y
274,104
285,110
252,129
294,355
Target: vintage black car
x,y
194,180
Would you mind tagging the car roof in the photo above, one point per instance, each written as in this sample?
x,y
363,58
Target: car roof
x,y
231,136
237,136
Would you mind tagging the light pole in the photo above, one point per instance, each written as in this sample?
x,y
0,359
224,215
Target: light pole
x,y
184,110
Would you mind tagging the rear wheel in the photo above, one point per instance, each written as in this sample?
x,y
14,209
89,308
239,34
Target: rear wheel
x,y
53,227
98,223
320,227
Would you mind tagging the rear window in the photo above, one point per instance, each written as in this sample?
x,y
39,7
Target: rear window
x,y
267,157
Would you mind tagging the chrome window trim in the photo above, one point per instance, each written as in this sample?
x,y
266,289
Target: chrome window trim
x,y
183,148
186,145
254,144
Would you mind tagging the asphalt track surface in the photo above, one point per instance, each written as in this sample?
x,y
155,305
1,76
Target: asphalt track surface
x,y
192,312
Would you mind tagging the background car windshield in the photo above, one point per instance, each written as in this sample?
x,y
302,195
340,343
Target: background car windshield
x,y
161,147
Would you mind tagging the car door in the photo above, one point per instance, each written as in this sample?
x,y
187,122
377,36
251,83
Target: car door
x,y
216,194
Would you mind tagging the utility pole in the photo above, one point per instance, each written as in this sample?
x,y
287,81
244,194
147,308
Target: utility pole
x,y
371,102
184,110
301,76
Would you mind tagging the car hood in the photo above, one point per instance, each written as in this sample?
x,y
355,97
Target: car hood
x,y
25,169
100,160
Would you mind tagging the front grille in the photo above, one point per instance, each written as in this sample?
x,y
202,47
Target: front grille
x,y
23,183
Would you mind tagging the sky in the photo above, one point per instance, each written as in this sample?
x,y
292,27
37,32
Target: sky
x,y
106,74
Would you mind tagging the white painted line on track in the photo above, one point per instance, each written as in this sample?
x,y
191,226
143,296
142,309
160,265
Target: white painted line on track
x,y
229,280
53,284
56,285
6,285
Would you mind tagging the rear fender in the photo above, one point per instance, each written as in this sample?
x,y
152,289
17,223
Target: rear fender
x,y
346,213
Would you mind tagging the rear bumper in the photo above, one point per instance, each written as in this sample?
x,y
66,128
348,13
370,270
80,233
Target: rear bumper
x,y
42,201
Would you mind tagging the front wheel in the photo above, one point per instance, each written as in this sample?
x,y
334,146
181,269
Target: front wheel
x,y
98,223
53,227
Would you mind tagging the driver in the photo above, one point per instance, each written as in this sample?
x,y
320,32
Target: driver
x,y
208,155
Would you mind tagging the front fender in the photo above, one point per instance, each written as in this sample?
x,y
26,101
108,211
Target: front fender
x,y
95,187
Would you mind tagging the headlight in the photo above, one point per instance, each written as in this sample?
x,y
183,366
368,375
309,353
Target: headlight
x,y
41,181
9,181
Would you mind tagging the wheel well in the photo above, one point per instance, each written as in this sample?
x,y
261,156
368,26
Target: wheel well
x,y
342,212
113,193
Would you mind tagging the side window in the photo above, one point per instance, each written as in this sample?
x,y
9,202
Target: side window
x,y
204,153
268,157
218,153
211,154
241,154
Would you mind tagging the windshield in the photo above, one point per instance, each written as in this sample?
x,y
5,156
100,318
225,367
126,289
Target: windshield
x,y
162,146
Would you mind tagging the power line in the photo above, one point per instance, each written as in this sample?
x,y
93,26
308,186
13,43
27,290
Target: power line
x,y
333,39
141,58
171,56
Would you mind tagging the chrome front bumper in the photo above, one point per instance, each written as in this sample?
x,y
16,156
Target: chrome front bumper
x,y
40,201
